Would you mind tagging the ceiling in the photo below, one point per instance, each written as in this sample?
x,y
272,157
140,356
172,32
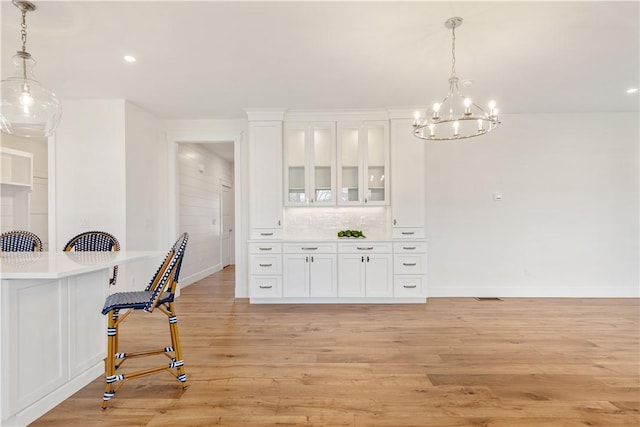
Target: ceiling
x,y
207,59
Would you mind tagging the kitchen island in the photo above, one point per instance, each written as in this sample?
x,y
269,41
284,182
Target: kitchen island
x,y
53,339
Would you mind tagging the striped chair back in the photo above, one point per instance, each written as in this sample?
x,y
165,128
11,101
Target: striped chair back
x,y
164,283
20,241
95,241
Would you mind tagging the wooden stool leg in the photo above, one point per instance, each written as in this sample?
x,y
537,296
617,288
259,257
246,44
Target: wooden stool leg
x,y
175,342
110,361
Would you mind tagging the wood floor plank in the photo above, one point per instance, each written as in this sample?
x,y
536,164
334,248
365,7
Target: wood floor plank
x,y
452,362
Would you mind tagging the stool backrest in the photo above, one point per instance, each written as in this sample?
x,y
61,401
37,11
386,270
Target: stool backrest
x,y
95,241
165,282
20,241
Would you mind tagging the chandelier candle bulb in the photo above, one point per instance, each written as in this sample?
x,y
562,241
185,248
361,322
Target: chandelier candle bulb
x,y
467,106
456,125
480,125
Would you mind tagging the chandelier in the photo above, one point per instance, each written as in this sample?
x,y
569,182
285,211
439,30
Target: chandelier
x,y
28,109
456,116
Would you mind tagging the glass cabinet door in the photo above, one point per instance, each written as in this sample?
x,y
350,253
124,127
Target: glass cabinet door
x,y
349,156
309,159
295,174
363,163
322,164
376,163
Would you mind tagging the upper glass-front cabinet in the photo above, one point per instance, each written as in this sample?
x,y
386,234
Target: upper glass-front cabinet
x,y
309,162
363,163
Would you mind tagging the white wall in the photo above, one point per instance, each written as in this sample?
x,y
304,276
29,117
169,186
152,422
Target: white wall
x,y
199,208
568,221
90,169
146,192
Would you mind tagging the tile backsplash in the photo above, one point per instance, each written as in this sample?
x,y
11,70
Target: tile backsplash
x,y
325,222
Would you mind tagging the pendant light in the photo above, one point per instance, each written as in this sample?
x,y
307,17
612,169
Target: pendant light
x,y
456,116
28,109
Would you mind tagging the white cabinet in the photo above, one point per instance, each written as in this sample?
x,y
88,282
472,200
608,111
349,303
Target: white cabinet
x,y
363,163
410,269
365,269
265,270
265,150
407,181
16,181
309,164
309,270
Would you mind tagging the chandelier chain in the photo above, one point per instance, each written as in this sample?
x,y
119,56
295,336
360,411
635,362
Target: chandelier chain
x,y
23,31
453,51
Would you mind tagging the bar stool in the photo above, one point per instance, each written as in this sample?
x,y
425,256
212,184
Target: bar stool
x,y
20,241
158,294
95,241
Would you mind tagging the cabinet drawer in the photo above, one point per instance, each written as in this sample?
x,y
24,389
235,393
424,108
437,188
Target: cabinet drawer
x,y
265,233
265,287
409,248
408,264
265,264
408,233
310,248
265,248
365,247
408,286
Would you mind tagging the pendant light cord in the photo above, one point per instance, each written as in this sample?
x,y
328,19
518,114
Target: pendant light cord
x,y
23,31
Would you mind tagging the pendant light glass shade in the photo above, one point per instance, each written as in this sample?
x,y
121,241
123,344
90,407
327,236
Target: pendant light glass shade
x,y
28,109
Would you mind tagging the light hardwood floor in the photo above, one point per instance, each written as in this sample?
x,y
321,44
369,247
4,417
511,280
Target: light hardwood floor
x,y
451,362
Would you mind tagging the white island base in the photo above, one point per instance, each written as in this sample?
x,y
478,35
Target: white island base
x,y
53,333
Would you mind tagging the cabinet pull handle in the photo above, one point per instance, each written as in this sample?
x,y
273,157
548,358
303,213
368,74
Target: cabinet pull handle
x,y
409,286
278,224
306,259
362,248
310,249
266,286
362,259
409,264
312,259
408,247
395,222
367,259
266,265
267,234
408,233
268,249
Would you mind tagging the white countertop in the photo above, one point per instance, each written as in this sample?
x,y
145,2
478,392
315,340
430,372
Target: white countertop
x,y
55,265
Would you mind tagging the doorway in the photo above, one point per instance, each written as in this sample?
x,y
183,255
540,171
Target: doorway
x,y
204,201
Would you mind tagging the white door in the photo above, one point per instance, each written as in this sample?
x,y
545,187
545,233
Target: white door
x,y
227,238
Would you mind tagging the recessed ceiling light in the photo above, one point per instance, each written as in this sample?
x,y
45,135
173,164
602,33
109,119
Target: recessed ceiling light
x,y
129,58
632,90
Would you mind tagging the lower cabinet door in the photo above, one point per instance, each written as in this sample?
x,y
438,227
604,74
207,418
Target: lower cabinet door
x,y
295,282
323,275
351,275
379,277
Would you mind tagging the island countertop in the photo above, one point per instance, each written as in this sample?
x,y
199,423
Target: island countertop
x,y
56,265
